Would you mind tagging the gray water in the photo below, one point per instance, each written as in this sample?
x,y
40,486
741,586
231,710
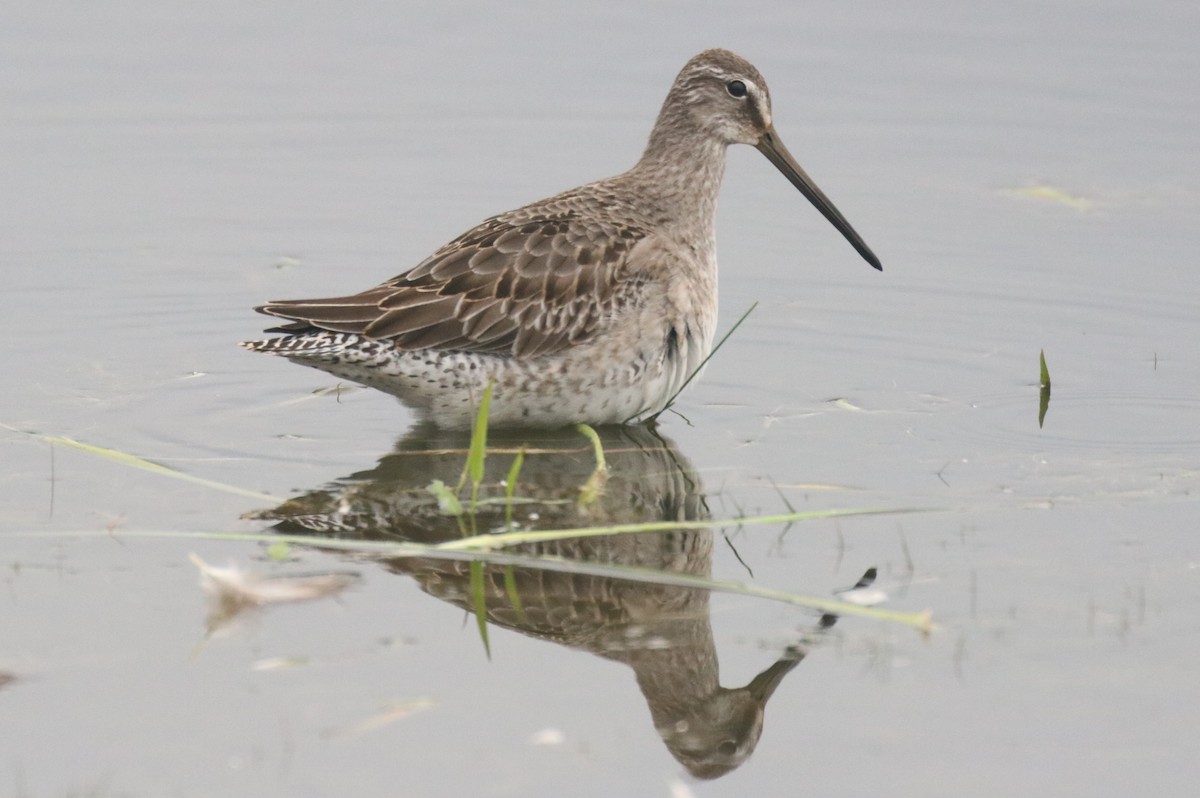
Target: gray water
x,y
164,170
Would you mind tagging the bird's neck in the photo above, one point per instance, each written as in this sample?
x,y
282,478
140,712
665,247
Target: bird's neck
x,y
681,169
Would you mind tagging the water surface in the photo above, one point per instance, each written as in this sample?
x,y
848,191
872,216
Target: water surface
x,y
1028,175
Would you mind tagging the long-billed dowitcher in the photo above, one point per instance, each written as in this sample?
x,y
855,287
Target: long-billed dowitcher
x,y
595,305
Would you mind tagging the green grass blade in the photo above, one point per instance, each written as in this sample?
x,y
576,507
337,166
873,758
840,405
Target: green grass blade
x,y
502,540
1044,393
704,362
510,487
478,451
133,461
448,503
590,490
382,549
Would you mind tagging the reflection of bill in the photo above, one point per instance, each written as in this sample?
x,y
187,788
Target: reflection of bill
x,y
662,632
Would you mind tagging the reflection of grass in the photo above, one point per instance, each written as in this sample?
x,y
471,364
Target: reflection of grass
x,y
494,549
487,547
474,468
510,487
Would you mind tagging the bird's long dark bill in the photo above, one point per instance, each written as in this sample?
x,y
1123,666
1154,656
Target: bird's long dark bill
x,y
764,684
770,146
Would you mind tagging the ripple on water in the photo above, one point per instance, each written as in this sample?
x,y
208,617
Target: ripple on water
x,y
1096,422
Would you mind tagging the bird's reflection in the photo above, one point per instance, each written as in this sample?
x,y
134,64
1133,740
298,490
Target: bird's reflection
x,y
662,632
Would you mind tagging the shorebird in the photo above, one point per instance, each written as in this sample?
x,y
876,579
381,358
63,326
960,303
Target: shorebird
x,y
595,305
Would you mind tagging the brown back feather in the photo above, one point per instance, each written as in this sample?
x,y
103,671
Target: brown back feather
x,y
526,283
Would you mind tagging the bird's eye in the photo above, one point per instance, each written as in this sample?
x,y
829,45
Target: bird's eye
x,y
736,88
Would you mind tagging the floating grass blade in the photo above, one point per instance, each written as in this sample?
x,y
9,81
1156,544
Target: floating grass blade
x,y
133,461
502,540
1044,393
383,549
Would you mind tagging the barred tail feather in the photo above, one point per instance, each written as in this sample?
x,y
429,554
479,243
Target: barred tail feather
x,y
313,346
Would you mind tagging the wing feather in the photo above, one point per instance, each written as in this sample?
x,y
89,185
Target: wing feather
x,y
527,283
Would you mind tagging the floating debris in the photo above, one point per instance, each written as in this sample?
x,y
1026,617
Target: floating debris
x,y
863,593
1044,192
240,586
234,590
395,711
280,663
548,738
